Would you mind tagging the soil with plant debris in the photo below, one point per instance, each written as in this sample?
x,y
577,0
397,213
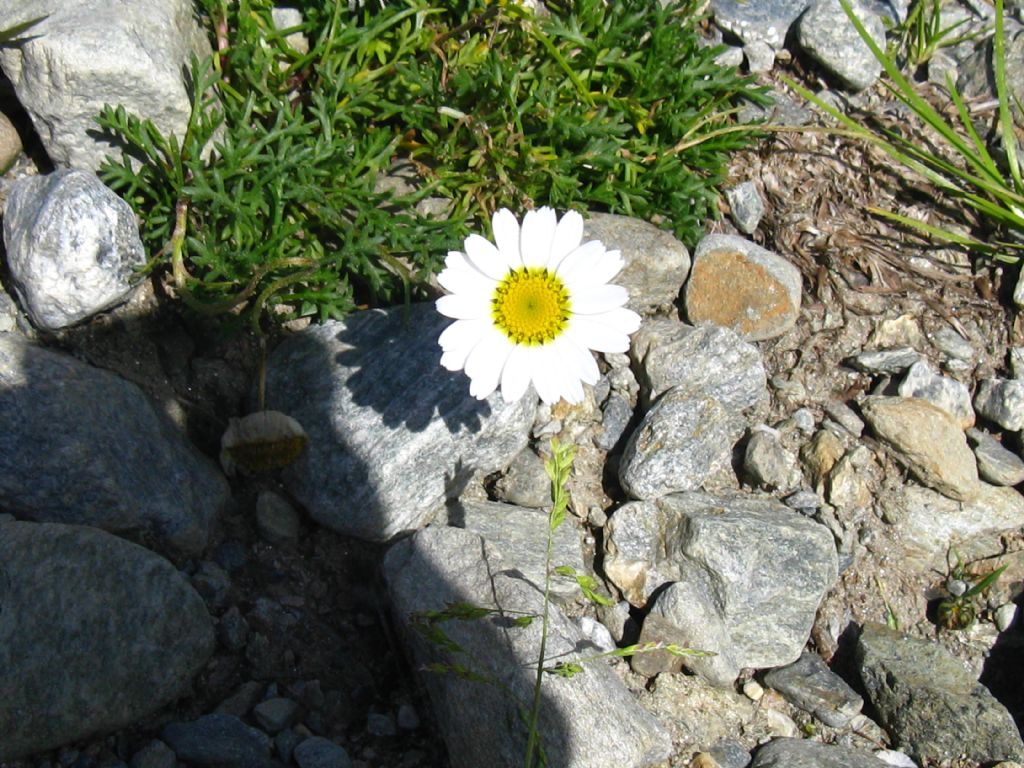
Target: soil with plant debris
x,y
863,278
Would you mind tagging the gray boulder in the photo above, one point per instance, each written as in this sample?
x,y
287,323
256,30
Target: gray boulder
x,y
589,720
683,441
803,753
929,703
88,53
826,34
73,247
95,634
392,435
767,21
81,445
709,360
219,740
808,683
745,575
519,535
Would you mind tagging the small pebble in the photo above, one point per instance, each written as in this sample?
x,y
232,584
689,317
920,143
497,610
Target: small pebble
x,y
753,690
380,724
408,719
1005,615
276,519
276,714
155,754
318,752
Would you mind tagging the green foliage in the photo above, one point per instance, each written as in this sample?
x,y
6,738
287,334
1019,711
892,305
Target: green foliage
x,y
992,189
12,35
958,611
922,34
271,202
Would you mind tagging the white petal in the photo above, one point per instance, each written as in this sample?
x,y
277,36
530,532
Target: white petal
x,y
568,235
463,333
516,375
537,235
580,259
598,270
466,280
484,364
577,359
597,299
464,306
506,234
591,332
546,377
485,257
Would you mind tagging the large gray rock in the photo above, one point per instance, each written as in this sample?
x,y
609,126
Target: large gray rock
x,y
589,720
95,634
931,522
73,247
737,284
803,753
88,53
826,34
392,435
748,574
929,440
708,360
768,20
656,264
683,441
81,445
519,535
929,703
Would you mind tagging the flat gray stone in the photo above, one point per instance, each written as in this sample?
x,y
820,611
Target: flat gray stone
x,y
392,435
928,440
768,20
276,714
996,464
656,263
684,440
826,34
709,360
276,519
809,684
587,721
219,740
95,634
73,247
88,53
737,284
803,753
519,535
748,574
1001,401
82,445
931,521
885,361
929,703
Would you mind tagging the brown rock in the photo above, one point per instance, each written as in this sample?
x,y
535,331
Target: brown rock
x,y
930,442
737,284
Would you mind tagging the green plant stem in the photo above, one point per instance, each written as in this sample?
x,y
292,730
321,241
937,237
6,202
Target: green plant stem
x,y
533,735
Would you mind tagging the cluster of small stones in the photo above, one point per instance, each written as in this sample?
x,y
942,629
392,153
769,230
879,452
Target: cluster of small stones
x,y
136,583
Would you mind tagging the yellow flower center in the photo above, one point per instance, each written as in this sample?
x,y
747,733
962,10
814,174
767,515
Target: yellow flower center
x,y
530,306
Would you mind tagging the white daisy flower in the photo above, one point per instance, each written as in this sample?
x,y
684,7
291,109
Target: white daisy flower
x,y
531,306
